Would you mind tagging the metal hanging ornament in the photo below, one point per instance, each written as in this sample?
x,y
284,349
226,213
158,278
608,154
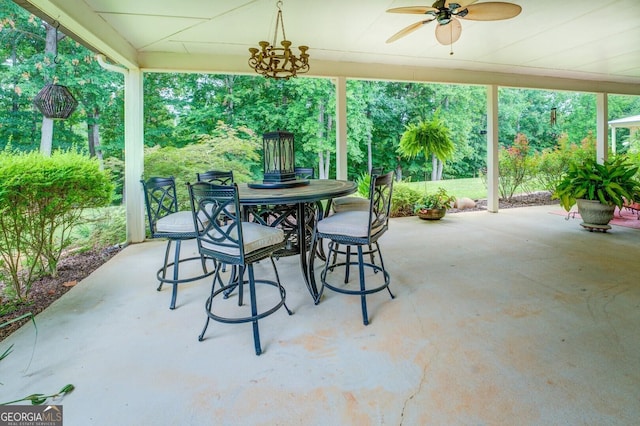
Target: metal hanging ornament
x,y
55,101
279,62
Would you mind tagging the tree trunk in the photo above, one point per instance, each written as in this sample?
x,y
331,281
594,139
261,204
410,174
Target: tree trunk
x,y
322,173
369,154
434,167
327,154
229,82
46,137
440,167
398,170
95,150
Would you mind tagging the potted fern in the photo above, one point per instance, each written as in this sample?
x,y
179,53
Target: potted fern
x,y
434,206
430,138
598,189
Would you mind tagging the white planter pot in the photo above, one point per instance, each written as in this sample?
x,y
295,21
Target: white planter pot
x,y
595,213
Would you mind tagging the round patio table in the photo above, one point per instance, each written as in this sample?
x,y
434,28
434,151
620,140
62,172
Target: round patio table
x,y
295,201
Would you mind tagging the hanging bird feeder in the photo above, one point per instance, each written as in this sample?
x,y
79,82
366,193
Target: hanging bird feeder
x,y
55,101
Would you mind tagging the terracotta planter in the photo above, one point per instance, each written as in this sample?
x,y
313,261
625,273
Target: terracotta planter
x,y
594,213
431,214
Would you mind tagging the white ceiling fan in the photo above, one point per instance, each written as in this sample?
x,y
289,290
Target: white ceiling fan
x,y
447,14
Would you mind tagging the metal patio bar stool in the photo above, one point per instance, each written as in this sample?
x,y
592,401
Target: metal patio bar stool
x,y
166,221
359,228
353,203
223,236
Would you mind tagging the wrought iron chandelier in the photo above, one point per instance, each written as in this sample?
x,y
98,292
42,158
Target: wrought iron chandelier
x,y
278,62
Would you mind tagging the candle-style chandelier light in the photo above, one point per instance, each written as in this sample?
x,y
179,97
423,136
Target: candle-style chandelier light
x,y
278,62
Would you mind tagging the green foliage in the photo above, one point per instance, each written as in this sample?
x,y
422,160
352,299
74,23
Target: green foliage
x,y
40,398
41,201
516,166
427,137
225,149
611,183
403,199
438,200
553,163
103,227
364,183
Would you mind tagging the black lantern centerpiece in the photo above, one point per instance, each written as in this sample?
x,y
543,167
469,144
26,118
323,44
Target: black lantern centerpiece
x,y
279,162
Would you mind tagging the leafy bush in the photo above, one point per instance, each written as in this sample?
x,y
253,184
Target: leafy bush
x,y
516,166
226,149
364,183
403,199
553,164
41,201
103,227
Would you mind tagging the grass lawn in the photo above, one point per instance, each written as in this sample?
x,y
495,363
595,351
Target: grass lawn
x,y
472,188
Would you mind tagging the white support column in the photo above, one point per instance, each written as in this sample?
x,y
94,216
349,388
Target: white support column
x,y
492,149
602,143
341,128
134,155
133,148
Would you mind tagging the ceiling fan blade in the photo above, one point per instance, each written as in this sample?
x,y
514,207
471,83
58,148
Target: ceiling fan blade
x,y
408,30
492,11
449,33
462,3
416,10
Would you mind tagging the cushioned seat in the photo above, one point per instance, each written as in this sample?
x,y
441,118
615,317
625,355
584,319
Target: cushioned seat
x,y
349,223
254,237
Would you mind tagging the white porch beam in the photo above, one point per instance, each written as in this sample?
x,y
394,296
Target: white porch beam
x,y
133,148
602,144
134,155
492,149
341,128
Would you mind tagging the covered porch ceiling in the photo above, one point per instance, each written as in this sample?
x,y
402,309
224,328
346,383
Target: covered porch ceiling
x,y
583,45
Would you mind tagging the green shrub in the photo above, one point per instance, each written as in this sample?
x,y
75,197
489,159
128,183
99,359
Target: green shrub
x,y
403,199
364,183
516,167
226,149
103,227
41,201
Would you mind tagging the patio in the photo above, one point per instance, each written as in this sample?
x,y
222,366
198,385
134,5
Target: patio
x,y
513,318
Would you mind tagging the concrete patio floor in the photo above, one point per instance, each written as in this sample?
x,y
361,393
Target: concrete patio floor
x,y
519,317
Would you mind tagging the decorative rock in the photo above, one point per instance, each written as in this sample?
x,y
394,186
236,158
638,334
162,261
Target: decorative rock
x,y
464,203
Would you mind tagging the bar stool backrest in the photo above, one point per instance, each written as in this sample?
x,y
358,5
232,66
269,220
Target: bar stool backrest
x,y
218,177
380,193
305,173
160,199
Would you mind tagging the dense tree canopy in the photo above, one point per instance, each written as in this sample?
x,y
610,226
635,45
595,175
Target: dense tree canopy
x,y
180,108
